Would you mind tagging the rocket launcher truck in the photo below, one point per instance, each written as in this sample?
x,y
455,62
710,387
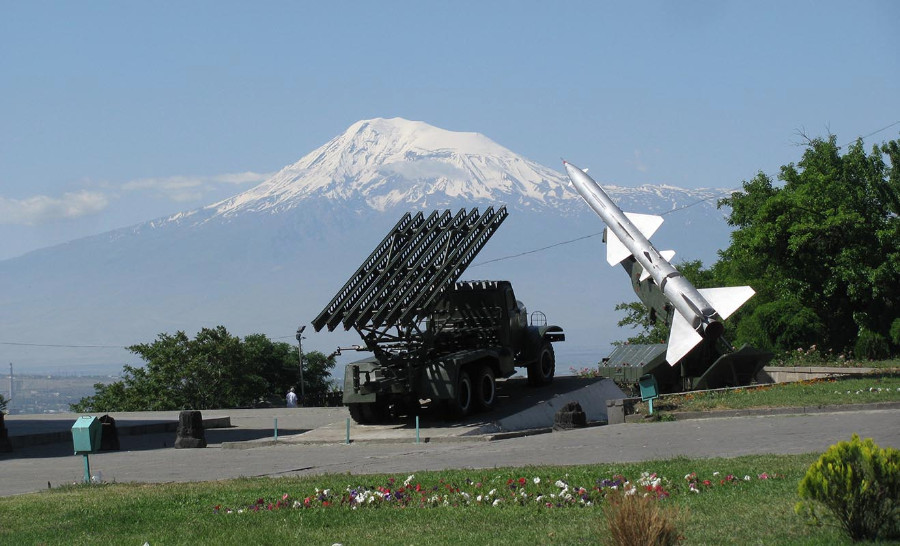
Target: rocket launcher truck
x,y
432,337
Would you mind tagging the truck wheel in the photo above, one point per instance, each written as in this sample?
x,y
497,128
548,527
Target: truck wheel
x,y
485,388
541,371
356,413
368,413
461,405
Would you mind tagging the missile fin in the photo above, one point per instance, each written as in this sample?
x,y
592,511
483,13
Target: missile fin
x,y
682,339
616,251
726,300
647,224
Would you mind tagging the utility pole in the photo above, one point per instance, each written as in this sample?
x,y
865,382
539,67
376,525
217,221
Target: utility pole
x,y
9,402
300,351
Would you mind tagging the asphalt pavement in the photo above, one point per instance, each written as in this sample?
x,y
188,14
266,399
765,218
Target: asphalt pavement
x,y
151,457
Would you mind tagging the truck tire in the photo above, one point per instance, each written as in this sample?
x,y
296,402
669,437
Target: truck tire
x,y
356,413
368,413
485,388
461,405
542,370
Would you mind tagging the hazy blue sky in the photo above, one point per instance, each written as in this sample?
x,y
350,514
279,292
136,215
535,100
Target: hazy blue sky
x,y
112,113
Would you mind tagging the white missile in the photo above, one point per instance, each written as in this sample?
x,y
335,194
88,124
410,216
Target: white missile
x,y
698,312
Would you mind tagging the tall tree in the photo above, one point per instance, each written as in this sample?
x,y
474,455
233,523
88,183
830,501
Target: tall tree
x,y
213,370
822,250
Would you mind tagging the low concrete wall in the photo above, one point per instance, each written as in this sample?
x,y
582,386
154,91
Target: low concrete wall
x,y
122,429
779,374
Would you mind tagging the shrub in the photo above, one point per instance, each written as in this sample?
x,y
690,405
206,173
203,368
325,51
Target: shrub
x,y
635,520
871,346
859,484
895,331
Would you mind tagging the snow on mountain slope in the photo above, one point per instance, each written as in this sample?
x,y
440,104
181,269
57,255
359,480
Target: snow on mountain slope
x,y
385,163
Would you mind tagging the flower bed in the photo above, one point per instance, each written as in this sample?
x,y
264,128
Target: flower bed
x,y
521,491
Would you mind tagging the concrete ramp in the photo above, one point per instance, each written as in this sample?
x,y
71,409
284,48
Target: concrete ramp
x,y
524,408
520,409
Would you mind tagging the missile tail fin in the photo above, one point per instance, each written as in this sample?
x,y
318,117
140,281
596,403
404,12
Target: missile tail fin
x,y
682,338
727,300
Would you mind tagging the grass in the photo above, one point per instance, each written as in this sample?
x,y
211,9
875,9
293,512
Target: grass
x,y
815,392
758,511
812,358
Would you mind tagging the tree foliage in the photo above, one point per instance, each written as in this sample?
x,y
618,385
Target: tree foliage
x,y
3,402
213,370
822,250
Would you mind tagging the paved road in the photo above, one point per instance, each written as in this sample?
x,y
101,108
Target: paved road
x,y
150,458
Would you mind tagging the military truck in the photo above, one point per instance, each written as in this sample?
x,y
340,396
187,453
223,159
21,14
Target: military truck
x,y
432,337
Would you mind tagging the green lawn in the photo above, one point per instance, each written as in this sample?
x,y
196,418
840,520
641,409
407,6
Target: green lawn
x,y
729,510
817,392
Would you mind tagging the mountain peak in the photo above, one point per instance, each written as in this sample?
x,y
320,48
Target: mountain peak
x,y
383,163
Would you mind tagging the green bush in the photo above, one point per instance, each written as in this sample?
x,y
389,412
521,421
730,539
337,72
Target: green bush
x,y
871,346
895,331
859,484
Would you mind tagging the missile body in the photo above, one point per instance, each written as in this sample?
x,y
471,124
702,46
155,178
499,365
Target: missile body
x,y
699,312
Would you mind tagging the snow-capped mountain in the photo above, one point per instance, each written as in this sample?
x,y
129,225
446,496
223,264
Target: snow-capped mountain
x,y
387,163
271,257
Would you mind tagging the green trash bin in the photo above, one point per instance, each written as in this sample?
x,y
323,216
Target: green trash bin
x,y
649,389
86,434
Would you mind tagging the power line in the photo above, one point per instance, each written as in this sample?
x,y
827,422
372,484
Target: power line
x,y
875,132
583,237
61,345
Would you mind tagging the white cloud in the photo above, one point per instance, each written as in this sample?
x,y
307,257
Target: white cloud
x,y
42,209
190,188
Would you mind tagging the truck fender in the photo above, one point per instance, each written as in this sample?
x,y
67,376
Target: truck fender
x,y
536,336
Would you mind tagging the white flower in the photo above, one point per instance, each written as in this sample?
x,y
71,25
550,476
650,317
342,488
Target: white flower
x,y
561,484
478,498
746,478
496,502
409,480
715,473
492,492
536,481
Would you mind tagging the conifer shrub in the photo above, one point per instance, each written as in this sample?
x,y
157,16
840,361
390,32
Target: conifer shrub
x,y
636,520
858,483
